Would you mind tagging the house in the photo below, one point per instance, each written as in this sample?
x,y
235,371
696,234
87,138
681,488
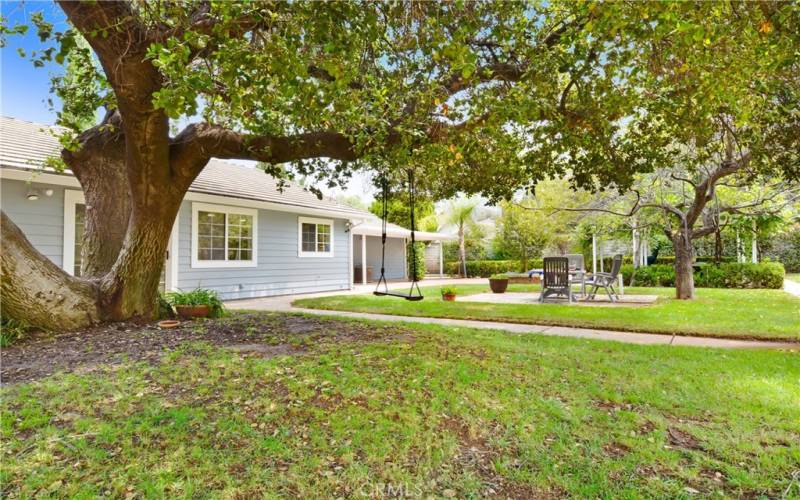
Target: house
x,y
235,233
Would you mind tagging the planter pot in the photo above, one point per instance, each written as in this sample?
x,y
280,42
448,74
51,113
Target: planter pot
x,y
450,297
169,323
188,312
498,286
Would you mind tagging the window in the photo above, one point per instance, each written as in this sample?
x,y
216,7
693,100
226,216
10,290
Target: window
x,y
223,236
316,237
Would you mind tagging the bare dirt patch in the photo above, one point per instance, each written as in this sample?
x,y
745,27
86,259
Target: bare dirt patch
x,y
683,439
253,334
616,450
477,454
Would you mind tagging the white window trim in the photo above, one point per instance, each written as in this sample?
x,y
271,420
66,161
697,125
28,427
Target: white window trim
x,y
205,207
312,220
71,199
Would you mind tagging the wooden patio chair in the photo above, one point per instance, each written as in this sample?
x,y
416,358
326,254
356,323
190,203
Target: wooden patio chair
x,y
556,278
606,281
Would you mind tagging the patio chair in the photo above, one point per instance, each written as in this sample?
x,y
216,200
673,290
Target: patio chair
x,y
606,280
556,278
577,272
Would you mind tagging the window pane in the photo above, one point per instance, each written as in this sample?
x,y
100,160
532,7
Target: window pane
x,y
246,255
80,225
323,238
309,237
218,254
211,217
204,254
239,236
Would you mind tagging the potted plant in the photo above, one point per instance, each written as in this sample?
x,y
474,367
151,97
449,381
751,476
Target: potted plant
x,y
198,303
449,293
498,283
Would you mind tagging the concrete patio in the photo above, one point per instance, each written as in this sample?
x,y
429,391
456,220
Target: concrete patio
x,y
532,298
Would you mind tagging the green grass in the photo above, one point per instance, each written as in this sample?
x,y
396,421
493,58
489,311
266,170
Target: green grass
x,y
438,411
768,314
793,277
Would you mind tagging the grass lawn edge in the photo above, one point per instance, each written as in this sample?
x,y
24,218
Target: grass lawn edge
x,y
302,304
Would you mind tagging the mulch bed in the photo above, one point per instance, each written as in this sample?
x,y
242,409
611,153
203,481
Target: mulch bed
x,y
264,334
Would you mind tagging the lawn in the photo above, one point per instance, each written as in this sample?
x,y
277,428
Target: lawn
x,y
763,314
794,277
357,408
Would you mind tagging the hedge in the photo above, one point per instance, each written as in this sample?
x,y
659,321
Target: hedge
x,y
486,268
726,275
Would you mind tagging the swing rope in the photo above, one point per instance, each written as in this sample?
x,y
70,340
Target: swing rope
x,y
411,295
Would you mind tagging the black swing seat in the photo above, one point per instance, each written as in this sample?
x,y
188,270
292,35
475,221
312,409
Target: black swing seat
x,y
386,293
413,298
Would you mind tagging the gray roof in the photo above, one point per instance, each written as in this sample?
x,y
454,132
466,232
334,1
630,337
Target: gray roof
x,y
26,145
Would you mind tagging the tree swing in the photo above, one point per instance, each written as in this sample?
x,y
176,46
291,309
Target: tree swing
x,y
414,293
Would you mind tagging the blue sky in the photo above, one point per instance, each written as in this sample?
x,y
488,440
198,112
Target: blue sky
x,y
24,89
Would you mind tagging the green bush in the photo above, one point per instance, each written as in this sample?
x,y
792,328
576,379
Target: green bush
x,y
420,254
198,297
11,331
501,276
486,268
449,290
726,275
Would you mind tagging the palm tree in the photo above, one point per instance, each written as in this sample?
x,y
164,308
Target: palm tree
x,y
461,214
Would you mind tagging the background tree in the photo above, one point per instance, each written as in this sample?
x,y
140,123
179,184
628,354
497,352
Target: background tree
x,y
711,100
460,214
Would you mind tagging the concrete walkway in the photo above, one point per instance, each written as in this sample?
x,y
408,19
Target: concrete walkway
x,y
284,304
792,287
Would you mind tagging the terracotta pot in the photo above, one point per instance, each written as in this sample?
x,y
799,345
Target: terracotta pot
x,y
169,323
498,286
188,312
450,297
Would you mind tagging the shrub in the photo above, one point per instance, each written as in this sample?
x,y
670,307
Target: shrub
x,y
420,254
11,331
498,277
726,275
486,268
198,297
449,290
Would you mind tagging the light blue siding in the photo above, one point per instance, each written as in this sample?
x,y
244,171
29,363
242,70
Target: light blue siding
x,y
41,220
279,270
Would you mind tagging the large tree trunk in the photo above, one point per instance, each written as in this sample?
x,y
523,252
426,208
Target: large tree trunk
x,y
37,291
130,290
99,165
684,272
